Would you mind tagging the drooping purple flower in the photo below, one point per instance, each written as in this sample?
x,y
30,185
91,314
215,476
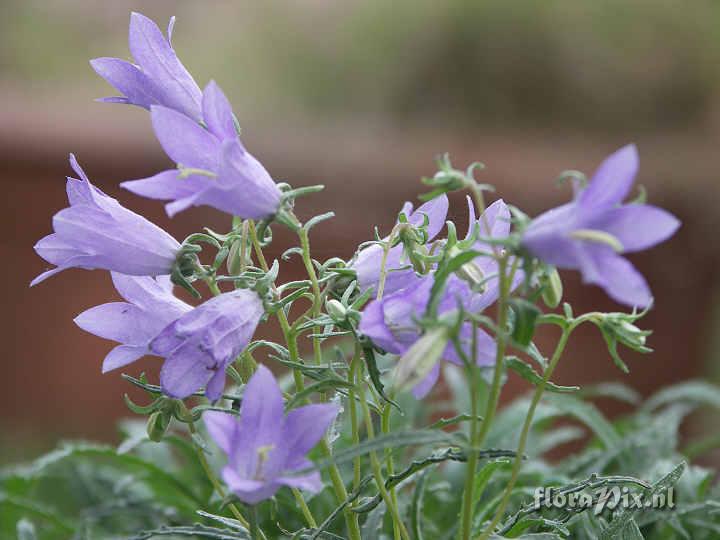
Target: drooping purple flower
x,y
95,231
266,448
227,176
200,345
157,78
392,324
150,306
368,262
591,232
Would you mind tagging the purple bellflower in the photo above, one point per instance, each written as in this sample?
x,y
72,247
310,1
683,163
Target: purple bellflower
x,y
266,448
150,306
96,231
368,262
392,324
200,345
157,78
592,232
214,169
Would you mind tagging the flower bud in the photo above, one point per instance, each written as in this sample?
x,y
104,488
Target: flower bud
x,y
552,291
336,310
419,360
157,425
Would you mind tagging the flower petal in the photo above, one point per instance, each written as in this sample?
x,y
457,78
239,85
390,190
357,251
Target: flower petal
x,y
152,51
166,185
436,211
119,321
122,355
249,491
128,79
637,226
222,428
182,374
305,426
613,179
217,112
184,140
615,274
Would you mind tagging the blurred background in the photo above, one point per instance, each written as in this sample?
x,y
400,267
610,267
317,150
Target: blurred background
x,y
361,96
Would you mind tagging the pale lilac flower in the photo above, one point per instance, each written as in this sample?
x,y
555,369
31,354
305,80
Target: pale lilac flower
x,y
150,306
200,345
95,231
227,177
157,78
392,324
266,448
591,232
368,262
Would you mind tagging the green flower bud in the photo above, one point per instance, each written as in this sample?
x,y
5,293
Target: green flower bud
x,y
336,310
552,288
157,425
417,362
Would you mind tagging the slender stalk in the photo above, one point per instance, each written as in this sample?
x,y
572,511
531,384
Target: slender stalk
x,y
317,302
352,405
341,495
517,464
254,529
214,480
478,436
377,469
304,508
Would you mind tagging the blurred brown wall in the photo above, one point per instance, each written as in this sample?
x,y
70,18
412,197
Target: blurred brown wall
x,y
51,381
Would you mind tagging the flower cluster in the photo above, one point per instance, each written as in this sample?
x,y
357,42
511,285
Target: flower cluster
x,y
414,296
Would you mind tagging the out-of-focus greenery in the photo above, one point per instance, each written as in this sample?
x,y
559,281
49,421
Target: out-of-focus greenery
x,y
614,64
93,491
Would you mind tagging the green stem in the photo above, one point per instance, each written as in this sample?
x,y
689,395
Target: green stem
x,y
377,469
254,529
341,495
517,464
214,480
389,463
478,436
352,405
317,297
304,508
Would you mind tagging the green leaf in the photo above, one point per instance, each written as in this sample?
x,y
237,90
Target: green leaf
x,y
525,317
374,373
398,439
587,413
618,391
619,525
695,392
527,372
196,531
416,506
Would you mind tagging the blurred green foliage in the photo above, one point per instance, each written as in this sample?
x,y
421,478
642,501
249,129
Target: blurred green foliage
x,y
645,64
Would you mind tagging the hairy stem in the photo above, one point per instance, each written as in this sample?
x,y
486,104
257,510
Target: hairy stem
x,y
477,436
341,494
517,464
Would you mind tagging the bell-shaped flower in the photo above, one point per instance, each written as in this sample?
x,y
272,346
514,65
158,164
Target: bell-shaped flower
x,y
214,168
267,448
392,324
95,231
157,77
200,345
149,307
398,273
592,232
482,272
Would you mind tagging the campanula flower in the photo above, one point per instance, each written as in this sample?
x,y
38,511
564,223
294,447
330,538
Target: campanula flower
x,y
95,231
149,307
592,232
214,168
200,345
157,77
392,324
368,262
265,447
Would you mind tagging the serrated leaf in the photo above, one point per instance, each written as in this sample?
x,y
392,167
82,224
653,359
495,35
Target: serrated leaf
x,y
529,374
